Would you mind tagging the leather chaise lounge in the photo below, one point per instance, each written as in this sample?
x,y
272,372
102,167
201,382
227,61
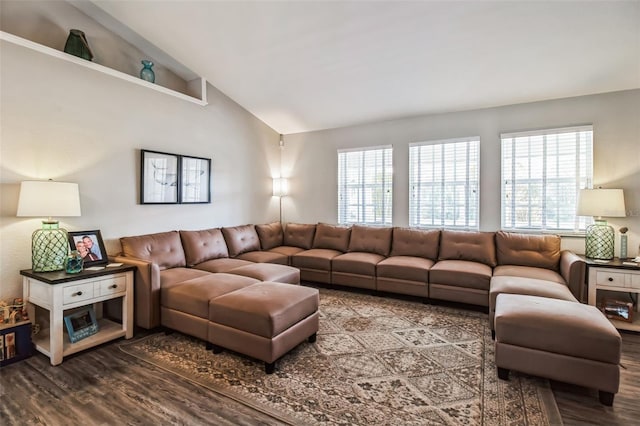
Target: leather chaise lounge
x,y
177,270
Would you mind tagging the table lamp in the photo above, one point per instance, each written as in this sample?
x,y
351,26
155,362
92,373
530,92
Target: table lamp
x,y
600,237
50,244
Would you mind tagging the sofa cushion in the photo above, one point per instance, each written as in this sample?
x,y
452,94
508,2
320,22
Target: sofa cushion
x,y
528,250
163,249
299,235
287,250
528,286
415,242
468,245
408,268
223,264
241,239
314,259
332,237
461,273
370,239
176,276
203,245
192,296
269,272
356,263
271,235
528,272
265,257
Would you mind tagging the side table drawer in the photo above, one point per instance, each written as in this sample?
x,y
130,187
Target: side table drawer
x,y
635,280
111,286
606,278
77,293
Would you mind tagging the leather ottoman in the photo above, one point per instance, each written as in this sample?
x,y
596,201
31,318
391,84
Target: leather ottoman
x,y
264,321
557,339
269,272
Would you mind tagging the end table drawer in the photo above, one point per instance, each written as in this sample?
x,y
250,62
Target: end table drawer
x,y
77,293
635,280
615,279
111,286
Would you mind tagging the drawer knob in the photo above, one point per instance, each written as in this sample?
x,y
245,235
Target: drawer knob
x,y
113,286
79,293
610,279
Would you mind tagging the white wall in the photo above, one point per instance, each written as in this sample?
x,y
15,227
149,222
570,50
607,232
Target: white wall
x,y
69,123
310,159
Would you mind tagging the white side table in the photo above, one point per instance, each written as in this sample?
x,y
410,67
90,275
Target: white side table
x,y
615,276
58,292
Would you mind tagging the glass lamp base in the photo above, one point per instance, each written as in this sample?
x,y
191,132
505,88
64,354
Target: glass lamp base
x,y
599,243
49,249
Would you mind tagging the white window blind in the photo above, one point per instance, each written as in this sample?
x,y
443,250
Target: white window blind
x,y
365,178
444,183
542,172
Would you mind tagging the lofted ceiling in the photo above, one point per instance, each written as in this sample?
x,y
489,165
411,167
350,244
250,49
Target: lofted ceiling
x,y
308,65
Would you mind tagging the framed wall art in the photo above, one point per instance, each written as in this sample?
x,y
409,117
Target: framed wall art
x,y
159,176
195,180
167,178
90,246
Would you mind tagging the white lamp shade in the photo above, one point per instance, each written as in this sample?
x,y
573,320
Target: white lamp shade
x,y
601,203
48,199
280,187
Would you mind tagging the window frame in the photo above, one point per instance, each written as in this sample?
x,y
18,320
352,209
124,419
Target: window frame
x,y
363,201
582,178
471,203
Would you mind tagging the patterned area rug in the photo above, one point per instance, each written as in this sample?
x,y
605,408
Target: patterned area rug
x,y
376,361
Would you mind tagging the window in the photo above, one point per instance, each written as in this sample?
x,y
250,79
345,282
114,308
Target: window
x,y
444,183
542,172
365,178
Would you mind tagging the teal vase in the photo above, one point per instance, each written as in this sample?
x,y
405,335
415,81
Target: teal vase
x,y
74,262
146,73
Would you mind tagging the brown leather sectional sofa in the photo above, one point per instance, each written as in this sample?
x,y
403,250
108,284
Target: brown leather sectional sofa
x,y
457,266
529,284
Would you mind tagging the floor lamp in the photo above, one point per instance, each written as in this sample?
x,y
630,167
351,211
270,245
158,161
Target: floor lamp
x,y
50,244
280,189
599,203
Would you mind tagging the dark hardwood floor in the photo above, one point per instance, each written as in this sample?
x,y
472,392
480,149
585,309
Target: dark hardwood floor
x,y
105,386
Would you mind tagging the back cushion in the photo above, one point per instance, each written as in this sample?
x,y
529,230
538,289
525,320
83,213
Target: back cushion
x,y
203,245
270,235
163,249
468,245
415,242
528,250
241,239
371,240
299,235
332,237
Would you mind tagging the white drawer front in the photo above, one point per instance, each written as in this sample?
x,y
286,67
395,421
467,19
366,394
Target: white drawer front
x,y
635,280
614,279
77,293
112,285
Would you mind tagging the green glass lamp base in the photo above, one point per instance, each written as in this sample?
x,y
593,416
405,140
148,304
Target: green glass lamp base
x,y
49,248
599,242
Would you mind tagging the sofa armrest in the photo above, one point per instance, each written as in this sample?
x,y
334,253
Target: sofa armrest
x,y
146,291
572,269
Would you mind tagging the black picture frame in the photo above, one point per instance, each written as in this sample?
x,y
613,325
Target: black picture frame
x,y
80,241
195,180
81,323
159,177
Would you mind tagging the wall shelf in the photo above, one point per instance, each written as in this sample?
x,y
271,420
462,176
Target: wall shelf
x,y
198,84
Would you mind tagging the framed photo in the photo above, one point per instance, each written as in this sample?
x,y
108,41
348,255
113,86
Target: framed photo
x,y
617,310
195,180
159,177
81,324
90,246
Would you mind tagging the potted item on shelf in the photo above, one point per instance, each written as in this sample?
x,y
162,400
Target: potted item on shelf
x,y
77,45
